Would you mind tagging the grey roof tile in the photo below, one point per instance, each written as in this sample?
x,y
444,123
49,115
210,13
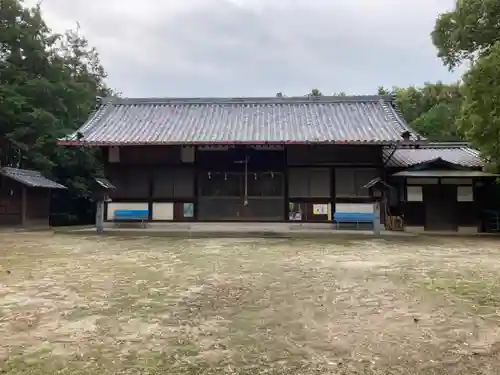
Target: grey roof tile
x,y
445,173
459,154
30,178
350,119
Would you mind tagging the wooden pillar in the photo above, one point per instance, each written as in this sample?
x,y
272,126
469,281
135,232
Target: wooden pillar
x,y
24,206
332,192
286,205
478,205
376,218
196,187
99,216
151,174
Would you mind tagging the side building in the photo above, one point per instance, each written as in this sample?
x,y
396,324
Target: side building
x,y
440,187
25,198
247,159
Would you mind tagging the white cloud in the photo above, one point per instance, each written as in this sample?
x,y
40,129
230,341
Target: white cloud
x,y
257,47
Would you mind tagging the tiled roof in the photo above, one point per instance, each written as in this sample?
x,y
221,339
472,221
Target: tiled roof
x,y
30,178
349,119
459,154
445,173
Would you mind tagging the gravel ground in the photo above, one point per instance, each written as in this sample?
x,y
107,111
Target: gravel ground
x,y
93,305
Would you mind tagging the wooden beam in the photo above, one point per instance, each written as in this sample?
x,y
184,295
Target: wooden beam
x,y
24,205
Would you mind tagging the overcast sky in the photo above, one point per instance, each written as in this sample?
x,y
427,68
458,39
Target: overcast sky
x,y
257,47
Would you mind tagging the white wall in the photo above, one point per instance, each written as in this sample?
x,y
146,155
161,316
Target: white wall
x,y
465,194
354,207
163,211
414,194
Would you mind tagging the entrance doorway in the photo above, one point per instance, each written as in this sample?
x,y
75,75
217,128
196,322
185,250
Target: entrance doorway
x,y
240,196
440,203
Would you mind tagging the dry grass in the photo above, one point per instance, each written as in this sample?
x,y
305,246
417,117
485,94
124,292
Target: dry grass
x,y
110,305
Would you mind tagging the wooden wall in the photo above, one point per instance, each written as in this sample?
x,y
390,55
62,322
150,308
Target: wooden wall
x,y
334,155
37,211
37,207
413,206
293,155
147,155
176,175
10,202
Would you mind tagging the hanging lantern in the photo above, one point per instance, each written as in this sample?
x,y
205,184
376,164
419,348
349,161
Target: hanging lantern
x,y
209,175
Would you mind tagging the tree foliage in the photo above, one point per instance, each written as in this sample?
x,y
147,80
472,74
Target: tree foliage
x,y
315,93
432,110
471,31
480,114
48,85
467,32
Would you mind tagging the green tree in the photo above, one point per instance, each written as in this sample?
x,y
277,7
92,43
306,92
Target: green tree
x,y
381,90
48,85
480,114
471,31
26,75
315,93
467,32
432,110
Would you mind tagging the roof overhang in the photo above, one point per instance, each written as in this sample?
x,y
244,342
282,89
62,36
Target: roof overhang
x,y
445,173
30,178
83,143
437,164
453,155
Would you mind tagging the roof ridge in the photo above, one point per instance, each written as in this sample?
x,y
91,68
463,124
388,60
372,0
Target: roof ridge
x,y
100,109
246,100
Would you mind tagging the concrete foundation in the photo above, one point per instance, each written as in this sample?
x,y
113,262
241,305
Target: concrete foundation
x,y
468,230
242,229
411,229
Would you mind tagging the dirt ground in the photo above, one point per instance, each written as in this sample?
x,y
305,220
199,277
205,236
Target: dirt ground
x,y
82,304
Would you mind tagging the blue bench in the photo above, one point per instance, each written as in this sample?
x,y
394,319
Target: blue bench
x,y
353,218
131,216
